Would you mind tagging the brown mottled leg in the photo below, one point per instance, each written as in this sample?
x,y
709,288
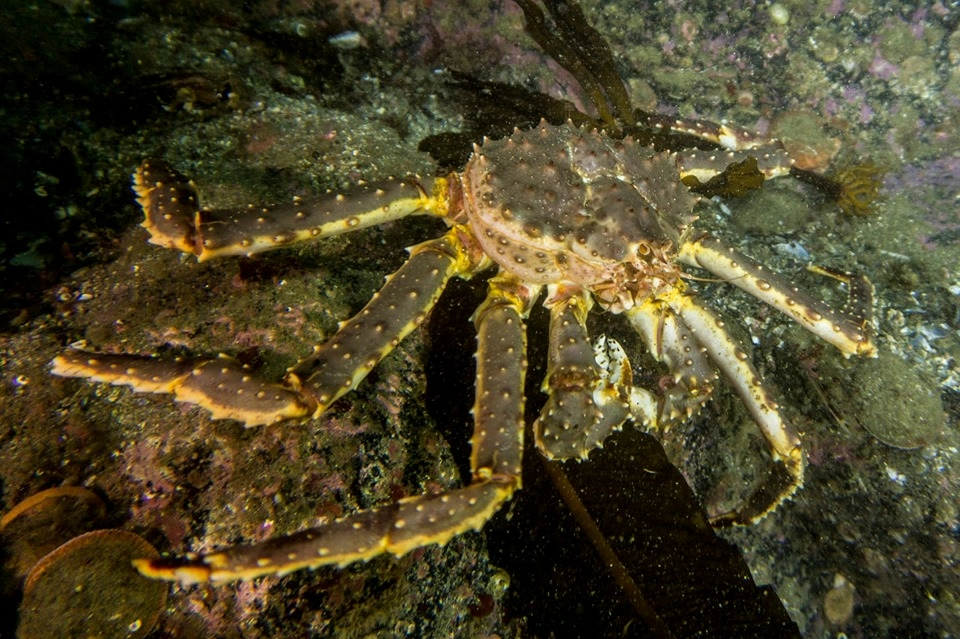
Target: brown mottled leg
x,y
417,521
338,365
850,330
232,391
782,439
692,342
585,403
224,386
173,216
692,375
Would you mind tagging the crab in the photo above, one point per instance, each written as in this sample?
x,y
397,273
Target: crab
x,y
564,214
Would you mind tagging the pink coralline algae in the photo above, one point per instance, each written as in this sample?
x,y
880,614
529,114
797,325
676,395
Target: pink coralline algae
x,y
942,172
883,68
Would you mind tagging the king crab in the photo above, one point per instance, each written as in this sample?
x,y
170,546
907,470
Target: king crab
x,y
561,212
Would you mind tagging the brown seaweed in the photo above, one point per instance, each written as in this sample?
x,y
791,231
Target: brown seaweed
x,y
736,180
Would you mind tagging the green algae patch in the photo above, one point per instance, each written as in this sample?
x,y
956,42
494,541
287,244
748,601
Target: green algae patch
x,y
773,210
895,404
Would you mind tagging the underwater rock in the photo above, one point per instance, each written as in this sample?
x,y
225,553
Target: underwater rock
x,y
895,404
88,588
42,522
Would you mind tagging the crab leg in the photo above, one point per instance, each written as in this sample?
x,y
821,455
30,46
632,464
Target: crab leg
x,y
230,390
417,521
497,442
585,402
339,364
398,528
224,386
782,439
173,216
727,137
691,341
692,375
851,331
